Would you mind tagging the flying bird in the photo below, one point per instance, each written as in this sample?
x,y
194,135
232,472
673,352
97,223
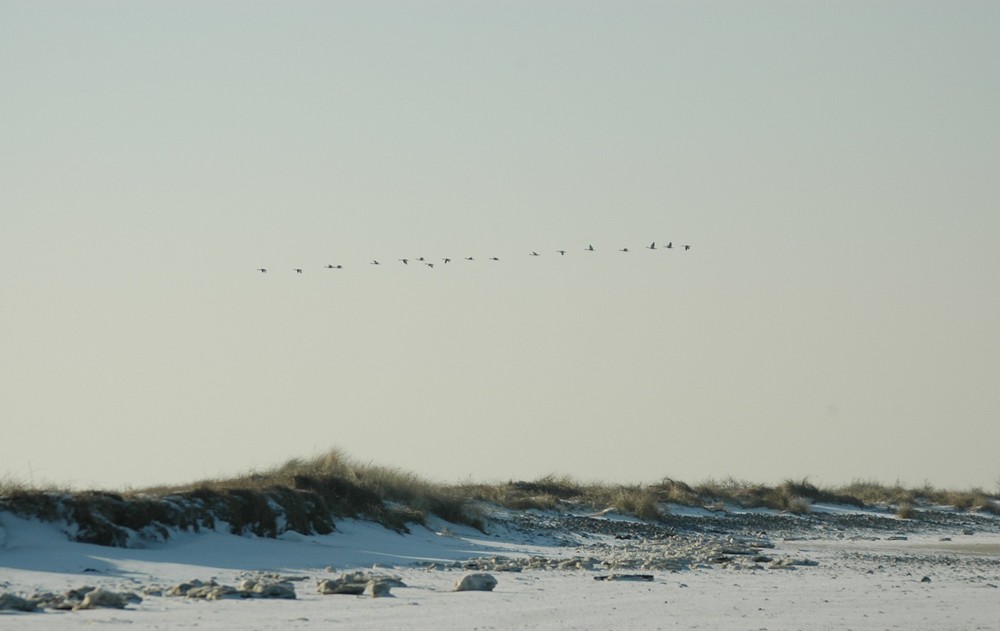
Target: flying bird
x,y
469,258
431,265
262,270
589,248
405,261
651,246
446,260
687,247
493,258
334,267
561,252
298,270
623,250
670,245
534,254
375,262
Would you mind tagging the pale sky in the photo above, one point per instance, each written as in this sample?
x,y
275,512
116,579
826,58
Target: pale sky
x,y
835,166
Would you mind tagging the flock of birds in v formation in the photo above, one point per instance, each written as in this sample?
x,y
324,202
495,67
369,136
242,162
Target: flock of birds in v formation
x,y
446,260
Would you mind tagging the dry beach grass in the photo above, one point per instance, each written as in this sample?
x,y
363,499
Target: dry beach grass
x,y
306,495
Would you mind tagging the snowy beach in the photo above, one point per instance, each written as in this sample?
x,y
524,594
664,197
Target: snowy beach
x,y
556,257
836,568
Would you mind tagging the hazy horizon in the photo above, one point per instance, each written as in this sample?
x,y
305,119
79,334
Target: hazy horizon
x,y
832,165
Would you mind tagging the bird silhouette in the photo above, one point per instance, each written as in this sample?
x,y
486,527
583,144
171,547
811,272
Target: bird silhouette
x,y
651,246
561,252
469,258
334,267
420,258
375,262
534,254
589,248
298,270
405,261
493,258
670,245
623,250
687,247
446,260
262,270
431,265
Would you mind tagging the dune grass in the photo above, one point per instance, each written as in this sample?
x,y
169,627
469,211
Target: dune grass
x,y
652,501
308,495
304,496
348,489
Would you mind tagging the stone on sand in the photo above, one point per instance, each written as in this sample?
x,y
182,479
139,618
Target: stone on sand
x,y
479,582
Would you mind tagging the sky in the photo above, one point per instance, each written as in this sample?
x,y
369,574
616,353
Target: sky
x,y
834,167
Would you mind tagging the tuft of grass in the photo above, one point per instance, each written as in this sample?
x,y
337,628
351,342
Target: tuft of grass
x,y
675,492
41,504
508,495
561,487
805,489
798,505
10,487
735,491
975,499
873,493
637,500
905,510
545,493
643,502
551,492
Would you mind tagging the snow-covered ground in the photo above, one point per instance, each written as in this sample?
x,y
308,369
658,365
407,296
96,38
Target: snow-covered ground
x,y
815,573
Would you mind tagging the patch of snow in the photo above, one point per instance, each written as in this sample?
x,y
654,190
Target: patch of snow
x,y
830,581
